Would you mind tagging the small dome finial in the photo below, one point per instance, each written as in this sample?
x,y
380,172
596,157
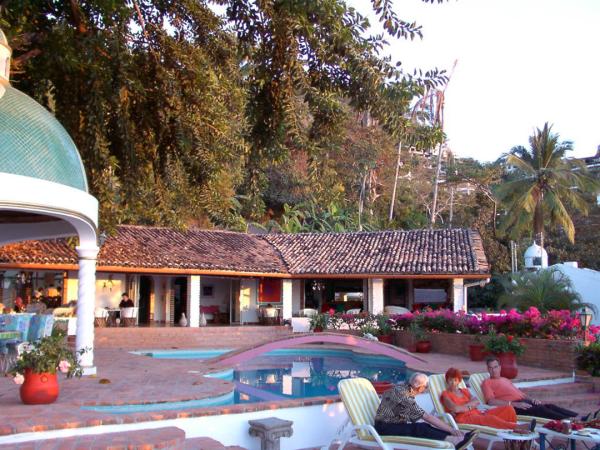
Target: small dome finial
x,y
5,53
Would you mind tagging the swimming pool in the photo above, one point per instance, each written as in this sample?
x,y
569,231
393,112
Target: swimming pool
x,y
280,375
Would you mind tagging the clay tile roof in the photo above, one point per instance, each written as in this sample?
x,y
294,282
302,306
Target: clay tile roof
x,y
454,251
154,247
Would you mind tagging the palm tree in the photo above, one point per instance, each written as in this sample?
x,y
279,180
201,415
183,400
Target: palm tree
x,y
543,185
546,289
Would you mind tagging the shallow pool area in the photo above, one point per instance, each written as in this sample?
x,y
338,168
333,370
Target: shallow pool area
x,y
278,375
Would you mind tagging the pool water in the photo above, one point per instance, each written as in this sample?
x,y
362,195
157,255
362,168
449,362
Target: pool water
x,y
283,375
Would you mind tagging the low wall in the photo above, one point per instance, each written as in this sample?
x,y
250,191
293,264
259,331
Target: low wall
x,y
555,354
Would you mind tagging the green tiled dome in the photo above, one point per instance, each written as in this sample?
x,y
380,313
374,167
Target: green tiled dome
x,y
34,144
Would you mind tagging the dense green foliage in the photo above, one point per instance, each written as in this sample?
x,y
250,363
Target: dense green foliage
x,y
545,290
588,358
281,113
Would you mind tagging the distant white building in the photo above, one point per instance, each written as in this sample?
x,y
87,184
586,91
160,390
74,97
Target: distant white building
x,y
586,282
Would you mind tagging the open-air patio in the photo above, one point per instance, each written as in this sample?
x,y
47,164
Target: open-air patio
x,y
126,378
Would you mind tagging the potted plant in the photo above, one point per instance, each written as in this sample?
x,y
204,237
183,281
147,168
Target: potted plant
x,y
477,349
421,344
588,358
506,348
319,322
384,328
36,367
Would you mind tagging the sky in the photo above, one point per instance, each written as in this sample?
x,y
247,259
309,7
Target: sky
x,y
521,63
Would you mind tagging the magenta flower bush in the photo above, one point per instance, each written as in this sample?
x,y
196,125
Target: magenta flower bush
x,y
557,324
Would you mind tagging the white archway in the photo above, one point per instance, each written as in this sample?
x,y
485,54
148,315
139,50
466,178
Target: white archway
x,y
36,209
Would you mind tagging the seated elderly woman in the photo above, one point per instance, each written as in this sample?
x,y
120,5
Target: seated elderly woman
x,y
463,407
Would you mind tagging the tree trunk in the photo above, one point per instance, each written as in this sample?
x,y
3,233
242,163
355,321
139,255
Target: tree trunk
x,y
435,187
395,183
538,223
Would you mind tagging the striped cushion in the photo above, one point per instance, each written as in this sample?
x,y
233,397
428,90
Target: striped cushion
x,y
361,402
476,381
437,384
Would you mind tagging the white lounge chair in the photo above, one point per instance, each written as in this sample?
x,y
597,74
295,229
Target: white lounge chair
x,y
361,402
437,385
475,382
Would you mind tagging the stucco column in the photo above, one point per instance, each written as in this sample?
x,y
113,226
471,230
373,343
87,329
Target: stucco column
x,y
458,295
376,295
193,300
286,298
86,302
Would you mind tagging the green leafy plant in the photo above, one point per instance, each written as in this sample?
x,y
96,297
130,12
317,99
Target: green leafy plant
x,y
384,324
417,332
503,343
48,355
319,321
588,358
370,328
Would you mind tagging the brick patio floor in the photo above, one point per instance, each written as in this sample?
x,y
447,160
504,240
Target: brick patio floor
x,y
141,379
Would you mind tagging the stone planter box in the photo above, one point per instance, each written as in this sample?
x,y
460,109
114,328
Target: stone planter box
x,y
545,353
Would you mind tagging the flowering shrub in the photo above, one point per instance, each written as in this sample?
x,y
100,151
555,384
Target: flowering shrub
x,y
588,358
503,343
552,325
48,355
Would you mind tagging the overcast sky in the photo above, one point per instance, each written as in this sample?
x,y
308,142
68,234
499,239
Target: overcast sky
x,y
520,63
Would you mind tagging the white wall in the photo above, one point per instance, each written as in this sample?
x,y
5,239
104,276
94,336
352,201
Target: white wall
x,y
248,300
221,292
108,291
586,282
297,286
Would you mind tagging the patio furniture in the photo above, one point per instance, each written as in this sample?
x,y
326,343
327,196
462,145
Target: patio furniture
x,y
40,326
361,402
270,431
308,312
391,310
437,384
475,382
268,315
129,316
100,317
517,441
8,349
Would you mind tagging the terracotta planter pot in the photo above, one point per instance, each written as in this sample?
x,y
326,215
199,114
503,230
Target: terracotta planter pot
x,y
477,352
318,329
39,388
423,347
387,339
508,364
382,386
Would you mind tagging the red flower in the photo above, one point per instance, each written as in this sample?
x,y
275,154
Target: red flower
x,y
509,338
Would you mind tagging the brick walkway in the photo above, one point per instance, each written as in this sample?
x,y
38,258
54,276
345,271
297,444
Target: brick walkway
x,y
140,379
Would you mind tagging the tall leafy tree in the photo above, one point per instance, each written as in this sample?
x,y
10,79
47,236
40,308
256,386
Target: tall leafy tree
x,y
152,94
543,185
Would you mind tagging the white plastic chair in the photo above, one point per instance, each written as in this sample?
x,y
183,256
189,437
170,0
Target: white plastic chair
x,y
100,317
129,316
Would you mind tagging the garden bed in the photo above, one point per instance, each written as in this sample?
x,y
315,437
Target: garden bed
x,y
558,354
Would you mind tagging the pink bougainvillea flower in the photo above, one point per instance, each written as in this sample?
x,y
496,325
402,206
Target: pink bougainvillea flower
x,y
19,379
64,366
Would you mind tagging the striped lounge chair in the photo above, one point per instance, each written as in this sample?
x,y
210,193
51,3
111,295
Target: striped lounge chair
x,y
437,384
475,382
361,402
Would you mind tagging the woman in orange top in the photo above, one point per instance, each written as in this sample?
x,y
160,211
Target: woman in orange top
x,y
463,407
